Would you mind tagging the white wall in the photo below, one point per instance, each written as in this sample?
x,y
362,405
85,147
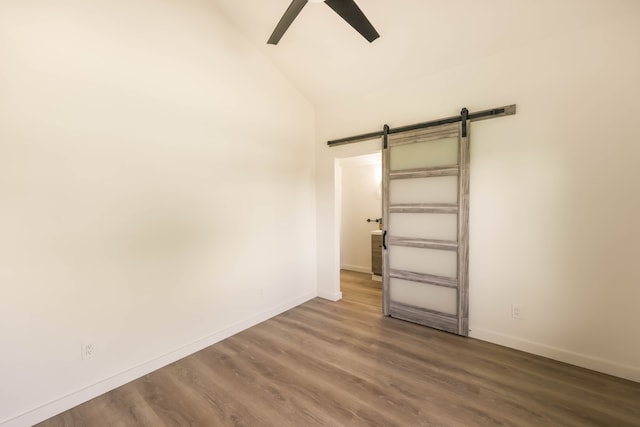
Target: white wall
x,y
361,199
554,196
156,193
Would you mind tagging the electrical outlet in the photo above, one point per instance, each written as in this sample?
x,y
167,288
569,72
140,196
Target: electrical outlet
x,y
517,312
88,350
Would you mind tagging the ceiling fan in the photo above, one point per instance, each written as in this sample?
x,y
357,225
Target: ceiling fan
x,y
347,9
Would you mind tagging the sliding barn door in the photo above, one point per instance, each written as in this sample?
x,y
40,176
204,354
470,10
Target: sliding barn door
x,y
426,211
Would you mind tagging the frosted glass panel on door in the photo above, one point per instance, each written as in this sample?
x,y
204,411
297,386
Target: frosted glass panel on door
x,y
441,189
439,152
422,295
427,261
424,225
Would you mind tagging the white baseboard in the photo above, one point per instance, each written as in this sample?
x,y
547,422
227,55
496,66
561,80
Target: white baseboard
x,y
73,399
331,296
356,268
573,358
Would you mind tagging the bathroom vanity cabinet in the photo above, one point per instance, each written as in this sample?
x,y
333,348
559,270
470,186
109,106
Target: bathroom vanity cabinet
x,y
376,252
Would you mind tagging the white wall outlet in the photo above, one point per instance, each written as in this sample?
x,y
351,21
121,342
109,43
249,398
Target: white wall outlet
x,y
88,350
517,312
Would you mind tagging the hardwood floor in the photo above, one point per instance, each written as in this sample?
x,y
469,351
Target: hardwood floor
x,y
344,364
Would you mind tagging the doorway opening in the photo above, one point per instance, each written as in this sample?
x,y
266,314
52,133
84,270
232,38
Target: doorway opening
x,y
359,214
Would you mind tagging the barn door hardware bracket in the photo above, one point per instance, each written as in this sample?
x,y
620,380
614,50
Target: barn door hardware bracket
x,y
464,116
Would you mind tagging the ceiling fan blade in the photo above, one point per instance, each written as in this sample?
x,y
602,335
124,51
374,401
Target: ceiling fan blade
x,y
289,15
350,12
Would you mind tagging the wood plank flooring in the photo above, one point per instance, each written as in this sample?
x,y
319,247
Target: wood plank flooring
x,y
344,364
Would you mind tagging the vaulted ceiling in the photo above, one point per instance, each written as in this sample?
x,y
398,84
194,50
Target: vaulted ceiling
x,y
327,60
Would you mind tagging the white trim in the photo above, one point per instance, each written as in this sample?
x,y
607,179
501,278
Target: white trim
x,y
356,268
562,355
332,295
336,296
374,158
77,397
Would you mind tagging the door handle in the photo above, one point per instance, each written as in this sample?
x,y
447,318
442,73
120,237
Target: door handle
x,y
384,240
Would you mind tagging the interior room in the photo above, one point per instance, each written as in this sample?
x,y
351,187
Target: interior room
x,y
166,186
360,188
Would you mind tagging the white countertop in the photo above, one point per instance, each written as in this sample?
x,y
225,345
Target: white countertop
x,y
378,232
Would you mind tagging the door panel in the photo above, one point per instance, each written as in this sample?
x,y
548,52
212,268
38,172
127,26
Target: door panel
x,y
433,297
429,154
440,189
424,225
425,261
425,211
